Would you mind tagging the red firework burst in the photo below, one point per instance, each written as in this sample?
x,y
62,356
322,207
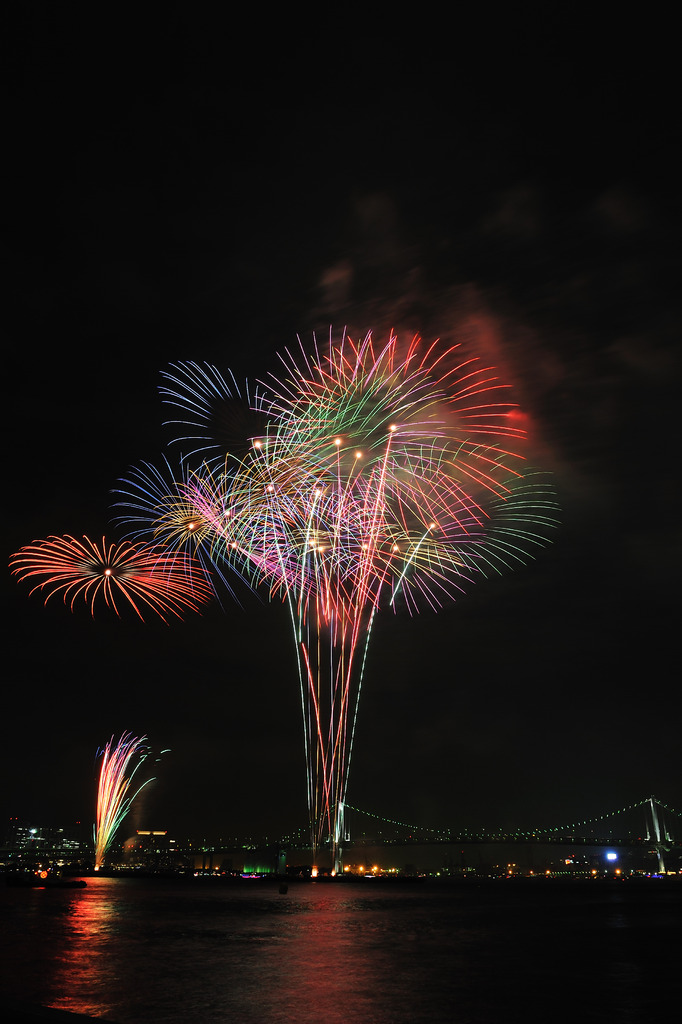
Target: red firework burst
x,y
140,574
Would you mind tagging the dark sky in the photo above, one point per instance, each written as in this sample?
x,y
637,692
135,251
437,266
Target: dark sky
x,y
181,189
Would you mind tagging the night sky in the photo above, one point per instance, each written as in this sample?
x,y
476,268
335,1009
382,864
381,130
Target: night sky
x,y
181,189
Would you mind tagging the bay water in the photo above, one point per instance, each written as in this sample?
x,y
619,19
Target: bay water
x,y
166,951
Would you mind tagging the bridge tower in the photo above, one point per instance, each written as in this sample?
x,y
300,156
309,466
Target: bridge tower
x,y
660,835
341,836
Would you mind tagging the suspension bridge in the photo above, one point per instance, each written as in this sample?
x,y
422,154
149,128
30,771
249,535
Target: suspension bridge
x,y
647,825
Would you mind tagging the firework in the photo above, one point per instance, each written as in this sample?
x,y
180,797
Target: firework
x,y
82,569
120,763
376,478
219,419
184,514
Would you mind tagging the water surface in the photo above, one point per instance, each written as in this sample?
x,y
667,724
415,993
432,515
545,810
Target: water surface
x,y
166,951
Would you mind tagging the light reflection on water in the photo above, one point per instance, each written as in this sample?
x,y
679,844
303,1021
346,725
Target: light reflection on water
x,y
320,953
164,951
